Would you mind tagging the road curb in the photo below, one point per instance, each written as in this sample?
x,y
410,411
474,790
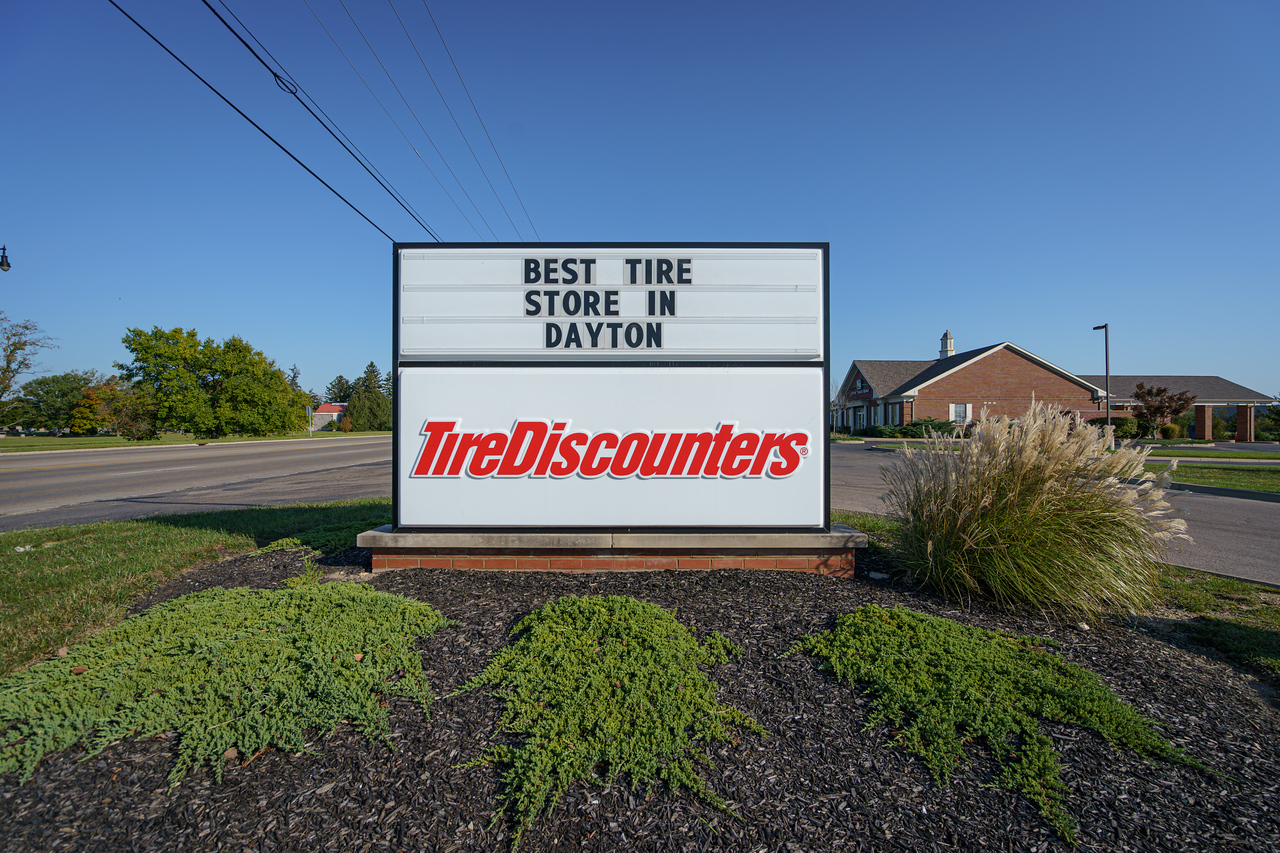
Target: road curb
x,y
190,444
1244,494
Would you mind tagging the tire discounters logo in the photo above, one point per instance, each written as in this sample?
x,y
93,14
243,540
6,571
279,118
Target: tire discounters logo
x,y
548,449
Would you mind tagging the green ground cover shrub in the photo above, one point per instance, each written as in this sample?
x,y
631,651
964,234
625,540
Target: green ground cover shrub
x,y
941,685
1034,511
223,668
606,682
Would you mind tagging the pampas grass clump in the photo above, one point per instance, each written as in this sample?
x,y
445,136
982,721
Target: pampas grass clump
x,y
1033,511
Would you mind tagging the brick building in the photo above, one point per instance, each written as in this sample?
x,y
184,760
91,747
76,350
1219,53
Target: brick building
x,y
1211,392
1002,378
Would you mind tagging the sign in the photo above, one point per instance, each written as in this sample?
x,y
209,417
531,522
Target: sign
x,y
654,387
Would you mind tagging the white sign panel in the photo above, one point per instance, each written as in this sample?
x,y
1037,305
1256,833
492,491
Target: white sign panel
x,y
611,447
676,303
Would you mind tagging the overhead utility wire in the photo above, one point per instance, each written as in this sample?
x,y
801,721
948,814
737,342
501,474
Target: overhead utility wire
x,y
482,124
421,127
251,121
287,84
444,101
412,147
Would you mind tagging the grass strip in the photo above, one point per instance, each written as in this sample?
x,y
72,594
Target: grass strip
x,y
1234,618
1258,478
223,668
606,681
1165,453
58,585
940,685
95,442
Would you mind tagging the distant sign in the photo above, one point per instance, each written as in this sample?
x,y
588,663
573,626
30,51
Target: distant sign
x,y
587,386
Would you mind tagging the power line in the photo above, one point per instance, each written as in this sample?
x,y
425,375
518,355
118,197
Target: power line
x,y
482,124
412,147
251,121
287,84
421,127
444,101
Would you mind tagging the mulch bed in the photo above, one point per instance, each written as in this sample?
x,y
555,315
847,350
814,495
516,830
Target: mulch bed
x,y
821,780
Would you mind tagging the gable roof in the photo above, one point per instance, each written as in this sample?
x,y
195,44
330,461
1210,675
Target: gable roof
x,y
1206,389
330,408
902,378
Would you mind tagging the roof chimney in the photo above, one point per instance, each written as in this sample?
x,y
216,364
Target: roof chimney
x,y
948,346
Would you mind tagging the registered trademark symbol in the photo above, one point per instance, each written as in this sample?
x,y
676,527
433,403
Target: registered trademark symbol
x,y
804,451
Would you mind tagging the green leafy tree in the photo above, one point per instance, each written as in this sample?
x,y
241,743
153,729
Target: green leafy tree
x,y
53,398
338,391
172,365
209,388
89,415
20,341
1156,406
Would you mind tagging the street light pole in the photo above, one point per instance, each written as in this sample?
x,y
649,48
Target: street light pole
x,y
1106,345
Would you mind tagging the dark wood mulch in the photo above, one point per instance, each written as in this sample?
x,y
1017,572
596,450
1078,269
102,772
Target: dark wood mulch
x,y
820,781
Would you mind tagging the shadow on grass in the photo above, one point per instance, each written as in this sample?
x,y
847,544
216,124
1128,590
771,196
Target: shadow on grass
x,y
328,527
1238,642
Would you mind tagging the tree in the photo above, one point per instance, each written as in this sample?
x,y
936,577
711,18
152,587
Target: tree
x,y
1157,406
211,389
338,391
294,375
369,407
52,399
19,343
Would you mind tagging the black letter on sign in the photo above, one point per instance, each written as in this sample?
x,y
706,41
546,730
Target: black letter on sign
x,y
573,338
594,333
549,264
653,335
535,307
648,270
553,335
633,263
611,303
591,303
532,271
666,303
571,304
613,333
587,263
664,271
653,307
569,273
635,340
684,275
551,301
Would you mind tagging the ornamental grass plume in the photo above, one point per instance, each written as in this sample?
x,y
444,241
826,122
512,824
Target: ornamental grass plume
x,y
1033,511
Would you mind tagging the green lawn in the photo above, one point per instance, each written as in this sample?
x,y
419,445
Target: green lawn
x,y
58,585
1161,453
12,444
1257,478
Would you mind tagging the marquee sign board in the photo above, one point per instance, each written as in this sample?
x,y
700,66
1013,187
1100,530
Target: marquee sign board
x,y
560,387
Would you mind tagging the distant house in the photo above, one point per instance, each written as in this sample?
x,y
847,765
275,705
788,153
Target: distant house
x,y
327,413
1210,392
1003,379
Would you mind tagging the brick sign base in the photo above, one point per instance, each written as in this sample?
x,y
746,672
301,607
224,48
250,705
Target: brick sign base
x,y
827,554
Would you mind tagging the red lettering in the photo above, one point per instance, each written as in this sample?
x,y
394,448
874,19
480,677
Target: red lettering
x,y
536,433
790,460
737,459
770,441
717,449
654,467
569,453
434,431
630,454
489,449
592,465
700,440
469,441
548,452
446,453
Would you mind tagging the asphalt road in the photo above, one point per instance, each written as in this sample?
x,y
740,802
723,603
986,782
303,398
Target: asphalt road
x,y
1235,537
39,489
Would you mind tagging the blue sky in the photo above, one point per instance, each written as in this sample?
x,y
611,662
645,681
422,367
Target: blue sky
x,y
1008,171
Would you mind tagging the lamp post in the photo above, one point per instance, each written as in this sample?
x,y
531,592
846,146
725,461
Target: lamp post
x,y
4,259
1106,344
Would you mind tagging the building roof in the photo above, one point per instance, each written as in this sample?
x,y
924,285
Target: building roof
x,y
330,408
899,378
1206,389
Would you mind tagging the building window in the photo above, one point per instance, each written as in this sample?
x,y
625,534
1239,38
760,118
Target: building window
x,y
961,413
857,383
